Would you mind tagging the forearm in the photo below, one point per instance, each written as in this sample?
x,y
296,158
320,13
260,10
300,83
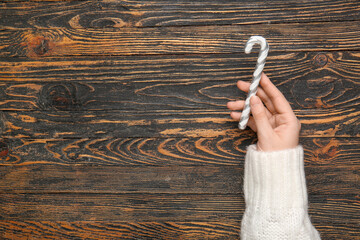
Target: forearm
x,y
276,196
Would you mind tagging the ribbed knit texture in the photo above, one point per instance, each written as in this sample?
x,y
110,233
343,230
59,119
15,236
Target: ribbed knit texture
x,y
276,196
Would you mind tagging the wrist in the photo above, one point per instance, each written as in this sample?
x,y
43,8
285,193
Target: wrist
x,y
275,145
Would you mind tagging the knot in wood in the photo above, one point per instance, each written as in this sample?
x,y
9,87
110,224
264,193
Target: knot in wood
x,y
42,47
4,150
320,60
61,97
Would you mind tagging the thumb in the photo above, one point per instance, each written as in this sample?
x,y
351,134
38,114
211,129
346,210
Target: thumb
x,y
261,120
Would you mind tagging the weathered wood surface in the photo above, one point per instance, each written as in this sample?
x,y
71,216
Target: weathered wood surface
x,y
222,212
168,207
121,180
332,79
114,124
146,230
322,180
115,230
185,123
319,152
177,40
119,14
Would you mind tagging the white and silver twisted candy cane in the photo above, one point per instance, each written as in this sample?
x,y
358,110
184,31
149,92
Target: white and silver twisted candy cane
x,y
264,49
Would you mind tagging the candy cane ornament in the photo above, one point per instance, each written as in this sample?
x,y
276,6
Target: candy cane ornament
x,y
264,49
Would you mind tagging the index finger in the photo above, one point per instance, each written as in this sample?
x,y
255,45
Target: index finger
x,y
279,101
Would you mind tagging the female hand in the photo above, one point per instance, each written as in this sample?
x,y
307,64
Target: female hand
x,y
276,125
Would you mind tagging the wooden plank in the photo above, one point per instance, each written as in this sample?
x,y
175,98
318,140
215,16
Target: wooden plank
x,y
226,150
172,166
123,207
119,14
177,40
160,207
132,151
43,179
174,82
229,151
336,122
116,230
146,230
120,180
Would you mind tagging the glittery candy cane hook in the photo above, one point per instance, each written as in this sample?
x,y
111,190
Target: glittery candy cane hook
x,y
264,49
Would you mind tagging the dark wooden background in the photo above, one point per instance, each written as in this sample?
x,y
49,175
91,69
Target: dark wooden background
x,y
114,121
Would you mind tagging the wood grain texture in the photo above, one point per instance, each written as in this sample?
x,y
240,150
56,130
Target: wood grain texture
x,y
128,151
223,151
124,207
120,180
331,79
118,230
343,122
113,118
120,14
177,40
44,179
144,230
323,209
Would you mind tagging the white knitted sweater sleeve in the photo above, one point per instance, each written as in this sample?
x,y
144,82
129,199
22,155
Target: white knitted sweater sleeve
x,y
276,196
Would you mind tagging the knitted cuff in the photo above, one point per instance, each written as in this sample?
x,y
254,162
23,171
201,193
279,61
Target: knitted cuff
x,y
275,179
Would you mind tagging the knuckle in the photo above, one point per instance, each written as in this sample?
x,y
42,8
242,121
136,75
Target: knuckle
x,y
299,124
